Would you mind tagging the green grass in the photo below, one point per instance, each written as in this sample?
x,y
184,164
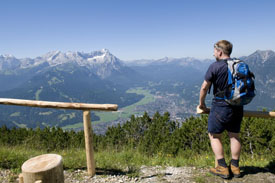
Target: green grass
x,y
20,125
123,113
54,80
73,126
127,160
126,112
45,113
14,157
64,117
15,114
37,93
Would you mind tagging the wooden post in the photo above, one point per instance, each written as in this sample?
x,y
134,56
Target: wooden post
x,y
21,180
89,142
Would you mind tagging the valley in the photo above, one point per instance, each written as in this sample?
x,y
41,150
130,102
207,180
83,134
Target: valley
x,y
122,114
165,85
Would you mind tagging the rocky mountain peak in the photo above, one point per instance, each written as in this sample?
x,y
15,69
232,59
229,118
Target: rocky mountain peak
x,y
262,55
8,62
104,50
101,62
7,56
83,59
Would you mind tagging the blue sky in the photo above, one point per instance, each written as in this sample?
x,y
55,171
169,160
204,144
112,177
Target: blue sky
x,y
136,29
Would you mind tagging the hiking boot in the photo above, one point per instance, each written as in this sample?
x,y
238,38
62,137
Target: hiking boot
x,y
221,171
235,171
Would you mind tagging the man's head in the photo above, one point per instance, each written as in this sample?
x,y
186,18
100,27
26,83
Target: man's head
x,y
222,49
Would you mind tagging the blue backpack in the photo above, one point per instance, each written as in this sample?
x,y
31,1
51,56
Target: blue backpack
x,y
240,88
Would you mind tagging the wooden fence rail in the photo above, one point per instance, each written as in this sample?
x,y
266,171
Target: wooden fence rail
x,y
59,105
86,108
246,113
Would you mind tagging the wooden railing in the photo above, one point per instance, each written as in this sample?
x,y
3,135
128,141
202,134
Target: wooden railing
x,y
86,108
246,113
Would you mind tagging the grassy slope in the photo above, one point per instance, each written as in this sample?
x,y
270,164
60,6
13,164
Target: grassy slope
x,y
130,162
14,157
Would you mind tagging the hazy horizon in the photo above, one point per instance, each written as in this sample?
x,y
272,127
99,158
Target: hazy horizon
x,y
138,59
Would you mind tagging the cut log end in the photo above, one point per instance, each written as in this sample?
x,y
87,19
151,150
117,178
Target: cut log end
x,y
47,168
41,163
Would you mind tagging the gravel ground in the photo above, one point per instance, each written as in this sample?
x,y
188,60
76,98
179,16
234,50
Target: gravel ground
x,y
156,174
145,175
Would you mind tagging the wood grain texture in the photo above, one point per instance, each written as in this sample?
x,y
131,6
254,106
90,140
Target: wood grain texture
x,y
59,105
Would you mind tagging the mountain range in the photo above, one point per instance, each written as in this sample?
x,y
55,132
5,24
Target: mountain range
x,y
100,77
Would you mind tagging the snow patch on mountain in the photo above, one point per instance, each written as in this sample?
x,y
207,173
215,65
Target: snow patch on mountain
x,y
8,62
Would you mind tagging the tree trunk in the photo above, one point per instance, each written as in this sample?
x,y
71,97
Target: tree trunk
x,y
46,168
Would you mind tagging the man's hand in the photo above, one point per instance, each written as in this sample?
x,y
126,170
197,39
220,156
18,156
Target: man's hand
x,y
202,109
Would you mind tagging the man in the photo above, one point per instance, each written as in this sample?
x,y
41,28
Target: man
x,y
222,115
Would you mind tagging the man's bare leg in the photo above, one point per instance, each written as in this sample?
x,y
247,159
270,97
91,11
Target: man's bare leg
x,y
216,144
235,145
217,148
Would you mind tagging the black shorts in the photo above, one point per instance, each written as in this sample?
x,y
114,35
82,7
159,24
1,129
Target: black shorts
x,y
224,117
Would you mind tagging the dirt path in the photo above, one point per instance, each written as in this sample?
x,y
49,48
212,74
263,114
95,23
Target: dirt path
x,y
157,174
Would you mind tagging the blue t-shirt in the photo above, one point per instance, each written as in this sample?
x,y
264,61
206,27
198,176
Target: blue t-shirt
x,y
217,74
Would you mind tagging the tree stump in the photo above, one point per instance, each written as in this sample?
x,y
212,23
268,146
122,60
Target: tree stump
x,y
46,168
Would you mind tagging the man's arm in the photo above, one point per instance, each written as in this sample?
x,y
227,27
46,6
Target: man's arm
x,y
203,92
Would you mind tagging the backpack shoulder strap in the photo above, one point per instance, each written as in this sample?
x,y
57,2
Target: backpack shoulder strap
x,y
209,89
221,94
